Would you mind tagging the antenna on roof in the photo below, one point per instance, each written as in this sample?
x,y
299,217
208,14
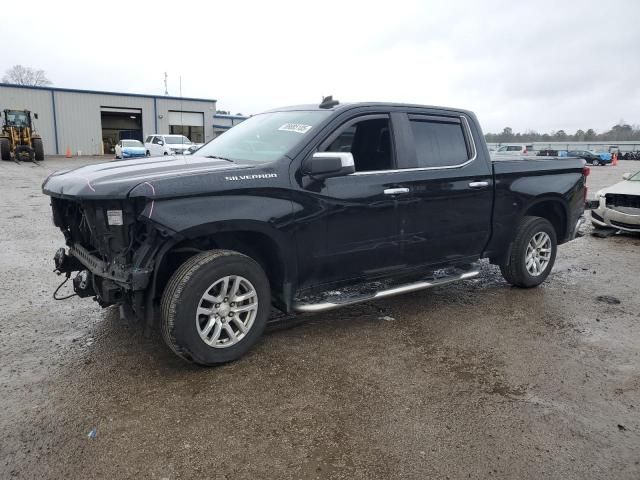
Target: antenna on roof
x,y
328,102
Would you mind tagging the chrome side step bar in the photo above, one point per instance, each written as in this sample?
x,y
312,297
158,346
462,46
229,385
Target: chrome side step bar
x,y
410,287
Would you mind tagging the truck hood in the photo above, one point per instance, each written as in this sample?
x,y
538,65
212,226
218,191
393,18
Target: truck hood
x,y
115,180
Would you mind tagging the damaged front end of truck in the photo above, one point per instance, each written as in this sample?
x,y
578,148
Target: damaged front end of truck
x,y
110,253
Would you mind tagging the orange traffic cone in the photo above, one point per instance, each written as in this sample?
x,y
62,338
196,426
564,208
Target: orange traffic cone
x,y
68,155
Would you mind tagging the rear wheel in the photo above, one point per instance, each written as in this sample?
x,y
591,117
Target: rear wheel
x,y
215,307
5,149
533,253
595,163
38,149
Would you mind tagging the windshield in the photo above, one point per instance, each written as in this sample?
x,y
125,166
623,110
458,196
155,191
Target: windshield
x,y
635,178
19,119
265,137
178,140
131,143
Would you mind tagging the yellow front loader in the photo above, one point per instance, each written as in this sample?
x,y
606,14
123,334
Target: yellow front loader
x,y
18,140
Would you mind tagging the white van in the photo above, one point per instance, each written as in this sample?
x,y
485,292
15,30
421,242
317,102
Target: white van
x,y
158,145
511,150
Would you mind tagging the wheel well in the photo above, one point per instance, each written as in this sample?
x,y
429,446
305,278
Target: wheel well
x,y
553,211
258,246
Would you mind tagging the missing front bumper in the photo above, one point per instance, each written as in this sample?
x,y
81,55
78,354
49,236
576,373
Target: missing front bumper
x,y
129,278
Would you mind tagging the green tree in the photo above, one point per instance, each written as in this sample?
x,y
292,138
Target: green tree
x,y
560,135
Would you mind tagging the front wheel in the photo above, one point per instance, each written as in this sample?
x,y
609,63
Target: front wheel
x,y
38,149
215,307
595,163
533,253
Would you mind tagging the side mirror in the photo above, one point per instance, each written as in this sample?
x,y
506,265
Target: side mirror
x,y
626,176
329,164
161,143
35,115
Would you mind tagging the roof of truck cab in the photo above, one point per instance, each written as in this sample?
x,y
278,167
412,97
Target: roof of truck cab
x,y
349,106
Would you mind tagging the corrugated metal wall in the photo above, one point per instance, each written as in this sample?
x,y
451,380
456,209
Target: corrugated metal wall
x,y
207,108
37,101
77,115
79,122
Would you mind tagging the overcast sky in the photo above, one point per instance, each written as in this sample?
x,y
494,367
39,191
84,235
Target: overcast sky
x,y
535,65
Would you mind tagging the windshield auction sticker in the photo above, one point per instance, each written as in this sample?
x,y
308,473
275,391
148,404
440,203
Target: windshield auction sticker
x,y
295,127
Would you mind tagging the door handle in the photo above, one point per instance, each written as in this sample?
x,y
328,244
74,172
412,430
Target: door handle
x,y
395,191
478,184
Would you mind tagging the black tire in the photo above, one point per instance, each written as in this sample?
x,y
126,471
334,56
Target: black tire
x,y
182,296
5,149
514,270
148,154
38,149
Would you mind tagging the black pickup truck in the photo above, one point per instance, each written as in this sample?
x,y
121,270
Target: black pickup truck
x,y
307,208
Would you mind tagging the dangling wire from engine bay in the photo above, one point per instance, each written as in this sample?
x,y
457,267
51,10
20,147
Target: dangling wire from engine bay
x,y
60,286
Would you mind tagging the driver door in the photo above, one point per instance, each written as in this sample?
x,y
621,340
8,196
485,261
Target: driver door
x,y
157,146
355,231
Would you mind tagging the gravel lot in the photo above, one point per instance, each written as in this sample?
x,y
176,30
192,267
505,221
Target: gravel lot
x,y
474,380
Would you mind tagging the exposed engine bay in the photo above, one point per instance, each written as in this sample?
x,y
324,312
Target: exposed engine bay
x,y
109,249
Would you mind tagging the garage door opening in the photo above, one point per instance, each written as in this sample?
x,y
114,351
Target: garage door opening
x,y
189,124
120,124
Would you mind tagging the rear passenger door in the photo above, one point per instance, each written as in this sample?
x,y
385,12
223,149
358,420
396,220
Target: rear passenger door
x,y
449,217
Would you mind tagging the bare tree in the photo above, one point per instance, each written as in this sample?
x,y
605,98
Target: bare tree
x,y
19,75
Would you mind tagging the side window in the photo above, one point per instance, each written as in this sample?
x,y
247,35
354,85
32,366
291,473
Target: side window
x,y
514,148
156,140
148,139
439,144
502,149
369,141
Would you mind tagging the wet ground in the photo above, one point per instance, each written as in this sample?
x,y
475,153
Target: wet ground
x,y
472,380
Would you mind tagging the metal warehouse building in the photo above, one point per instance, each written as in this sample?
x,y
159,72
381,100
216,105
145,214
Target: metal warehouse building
x,y
92,122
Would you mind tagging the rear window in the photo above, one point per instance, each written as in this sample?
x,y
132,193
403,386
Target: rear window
x,y
439,144
513,148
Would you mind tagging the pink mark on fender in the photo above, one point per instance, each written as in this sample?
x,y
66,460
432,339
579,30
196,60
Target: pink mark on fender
x,y
89,183
153,190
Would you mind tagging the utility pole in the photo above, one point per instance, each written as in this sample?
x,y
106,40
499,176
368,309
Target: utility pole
x,y
166,92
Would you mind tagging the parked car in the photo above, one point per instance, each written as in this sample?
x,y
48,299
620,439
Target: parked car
x,y
548,153
591,158
130,149
158,145
292,204
618,206
513,150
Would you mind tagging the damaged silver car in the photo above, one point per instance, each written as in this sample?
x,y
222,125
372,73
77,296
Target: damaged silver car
x,y
618,206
